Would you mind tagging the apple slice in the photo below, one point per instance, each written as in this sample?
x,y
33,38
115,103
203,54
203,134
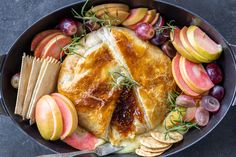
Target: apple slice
x,y
154,21
83,140
178,77
175,39
203,43
189,48
104,7
116,17
54,47
48,118
40,36
69,114
149,17
195,76
135,16
41,45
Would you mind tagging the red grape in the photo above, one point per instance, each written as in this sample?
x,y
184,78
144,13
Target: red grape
x,y
202,116
160,23
92,26
210,103
144,31
68,26
15,80
185,101
214,72
80,29
168,49
218,92
190,114
159,38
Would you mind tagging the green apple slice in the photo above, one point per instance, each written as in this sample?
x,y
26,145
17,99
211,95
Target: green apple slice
x,y
175,39
190,49
203,43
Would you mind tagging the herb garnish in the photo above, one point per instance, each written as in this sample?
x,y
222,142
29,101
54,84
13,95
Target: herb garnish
x,y
107,20
120,79
179,125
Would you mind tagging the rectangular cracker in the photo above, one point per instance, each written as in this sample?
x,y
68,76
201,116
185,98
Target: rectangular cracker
x,y
36,66
46,84
26,66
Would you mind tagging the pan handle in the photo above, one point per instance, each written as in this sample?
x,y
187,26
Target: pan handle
x,y
233,48
3,110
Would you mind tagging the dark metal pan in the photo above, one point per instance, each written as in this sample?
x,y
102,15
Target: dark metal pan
x,y
11,61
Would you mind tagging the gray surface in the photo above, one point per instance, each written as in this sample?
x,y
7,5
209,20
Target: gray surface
x,y
17,15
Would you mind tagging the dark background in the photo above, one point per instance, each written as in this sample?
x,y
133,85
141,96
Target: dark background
x,y
17,15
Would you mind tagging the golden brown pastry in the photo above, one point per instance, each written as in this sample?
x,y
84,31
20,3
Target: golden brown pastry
x,y
107,111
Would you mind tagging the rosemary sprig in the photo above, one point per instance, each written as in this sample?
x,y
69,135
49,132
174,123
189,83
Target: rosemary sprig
x,y
121,79
171,98
169,26
72,48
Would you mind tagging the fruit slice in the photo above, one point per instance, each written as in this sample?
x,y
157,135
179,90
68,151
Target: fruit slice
x,y
41,45
195,76
104,7
69,114
135,16
40,36
175,39
154,21
105,11
148,18
178,77
189,48
83,140
48,118
203,44
54,47
116,17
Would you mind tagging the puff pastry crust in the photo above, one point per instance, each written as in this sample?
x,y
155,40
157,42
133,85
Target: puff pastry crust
x,y
108,112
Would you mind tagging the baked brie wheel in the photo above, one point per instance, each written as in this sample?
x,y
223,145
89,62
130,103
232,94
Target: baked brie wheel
x,y
119,86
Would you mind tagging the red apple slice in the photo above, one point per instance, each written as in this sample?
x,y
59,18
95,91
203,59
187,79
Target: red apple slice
x,y
148,18
178,77
195,76
48,118
136,15
69,114
189,48
40,36
175,39
41,45
203,43
83,140
54,47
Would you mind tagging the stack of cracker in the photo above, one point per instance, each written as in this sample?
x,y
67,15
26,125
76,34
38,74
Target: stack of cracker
x,y
38,77
157,143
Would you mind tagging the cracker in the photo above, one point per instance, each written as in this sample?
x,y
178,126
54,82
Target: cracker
x,y
36,65
144,153
172,137
26,66
46,83
154,150
150,142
